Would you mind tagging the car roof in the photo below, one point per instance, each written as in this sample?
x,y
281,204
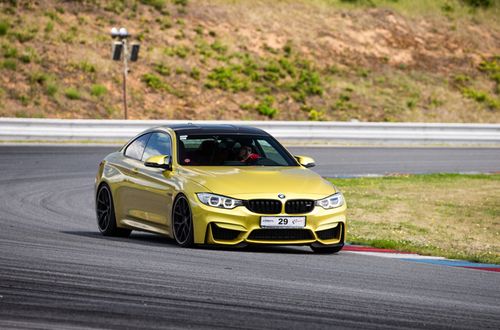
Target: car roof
x,y
200,129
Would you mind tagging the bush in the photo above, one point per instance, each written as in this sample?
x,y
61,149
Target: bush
x,y
195,73
9,52
9,64
51,89
87,67
492,68
265,107
181,2
272,72
475,95
481,97
165,23
228,79
24,36
156,83
316,115
156,4
98,90
219,47
287,48
179,51
49,27
288,66
199,30
162,69
152,81
4,28
461,79
39,78
308,83
53,16
204,48
479,3
72,93
361,2
28,56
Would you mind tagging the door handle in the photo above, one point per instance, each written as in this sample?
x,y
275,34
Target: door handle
x,y
135,170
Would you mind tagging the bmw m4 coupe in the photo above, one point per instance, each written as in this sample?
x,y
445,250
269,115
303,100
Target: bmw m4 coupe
x,y
217,184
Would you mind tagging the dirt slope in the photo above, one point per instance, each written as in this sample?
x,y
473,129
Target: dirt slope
x,y
284,60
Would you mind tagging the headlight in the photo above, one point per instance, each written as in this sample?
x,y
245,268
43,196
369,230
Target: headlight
x,y
222,202
333,201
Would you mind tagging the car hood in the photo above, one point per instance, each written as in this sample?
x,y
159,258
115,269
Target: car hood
x,y
241,181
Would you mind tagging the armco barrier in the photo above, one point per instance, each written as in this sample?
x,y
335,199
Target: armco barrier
x,y
113,130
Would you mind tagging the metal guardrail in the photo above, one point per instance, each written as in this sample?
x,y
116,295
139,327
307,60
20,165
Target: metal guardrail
x,y
20,129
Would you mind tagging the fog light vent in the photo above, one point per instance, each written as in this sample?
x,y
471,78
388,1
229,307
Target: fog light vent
x,y
223,234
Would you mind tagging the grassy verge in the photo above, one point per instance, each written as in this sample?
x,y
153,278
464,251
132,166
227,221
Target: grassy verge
x,y
451,215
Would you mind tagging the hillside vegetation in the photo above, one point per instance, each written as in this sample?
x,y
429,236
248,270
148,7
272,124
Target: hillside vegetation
x,y
367,60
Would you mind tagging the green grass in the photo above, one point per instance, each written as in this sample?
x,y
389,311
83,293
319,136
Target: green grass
x,y
421,7
72,93
157,83
228,79
163,69
9,51
9,64
179,51
28,55
154,82
4,28
85,66
98,90
280,72
451,215
157,4
51,89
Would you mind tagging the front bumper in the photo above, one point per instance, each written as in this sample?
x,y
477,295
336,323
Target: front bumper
x,y
240,226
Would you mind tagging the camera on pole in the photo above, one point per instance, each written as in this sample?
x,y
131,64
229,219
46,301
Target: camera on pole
x,y
120,52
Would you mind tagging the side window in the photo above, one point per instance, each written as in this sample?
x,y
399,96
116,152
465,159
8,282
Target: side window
x,y
270,152
158,144
136,148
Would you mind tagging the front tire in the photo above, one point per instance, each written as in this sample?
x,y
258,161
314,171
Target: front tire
x,y
182,222
105,211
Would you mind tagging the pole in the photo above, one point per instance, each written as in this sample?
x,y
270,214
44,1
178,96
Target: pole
x,y
125,73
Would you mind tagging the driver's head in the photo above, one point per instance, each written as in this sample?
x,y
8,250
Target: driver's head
x,y
245,151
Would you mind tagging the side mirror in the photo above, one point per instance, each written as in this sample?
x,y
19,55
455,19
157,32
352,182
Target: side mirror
x,y
305,161
161,161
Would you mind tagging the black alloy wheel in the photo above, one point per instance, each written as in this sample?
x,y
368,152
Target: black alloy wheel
x,y
182,222
105,211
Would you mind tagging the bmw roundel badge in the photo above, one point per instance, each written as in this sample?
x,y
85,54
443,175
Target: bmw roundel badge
x,y
281,196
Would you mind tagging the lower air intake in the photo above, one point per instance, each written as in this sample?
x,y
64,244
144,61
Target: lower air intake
x,y
280,235
223,234
332,233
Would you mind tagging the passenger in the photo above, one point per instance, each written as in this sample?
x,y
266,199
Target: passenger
x,y
246,154
205,153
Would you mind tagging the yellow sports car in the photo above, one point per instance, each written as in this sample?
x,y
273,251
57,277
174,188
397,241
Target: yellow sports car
x,y
217,184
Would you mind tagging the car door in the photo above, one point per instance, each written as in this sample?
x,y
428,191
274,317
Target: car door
x,y
158,184
129,196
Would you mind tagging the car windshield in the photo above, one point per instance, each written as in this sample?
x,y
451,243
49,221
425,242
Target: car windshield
x,y
231,150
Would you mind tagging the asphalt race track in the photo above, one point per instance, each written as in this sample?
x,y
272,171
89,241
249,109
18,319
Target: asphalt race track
x,y
348,161
57,272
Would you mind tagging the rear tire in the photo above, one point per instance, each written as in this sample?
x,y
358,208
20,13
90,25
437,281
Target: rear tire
x,y
327,249
182,222
105,211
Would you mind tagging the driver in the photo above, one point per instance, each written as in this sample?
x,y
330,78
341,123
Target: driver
x,y
247,155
